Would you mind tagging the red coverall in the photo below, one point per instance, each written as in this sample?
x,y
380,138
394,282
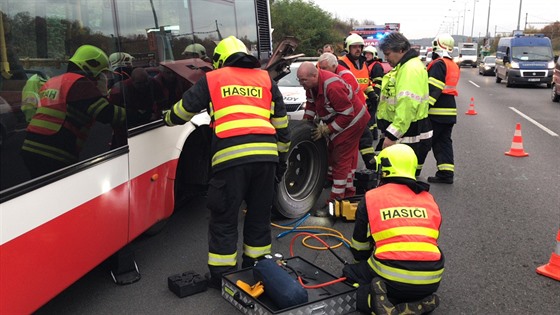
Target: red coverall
x,y
336,104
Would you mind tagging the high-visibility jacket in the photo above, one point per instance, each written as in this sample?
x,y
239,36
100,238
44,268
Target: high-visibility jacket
x,y
405,228
30,96
451,75
241,102
403,105
362,74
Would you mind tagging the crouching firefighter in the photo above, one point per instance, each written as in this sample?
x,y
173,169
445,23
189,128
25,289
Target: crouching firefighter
x,y
399,263
249,145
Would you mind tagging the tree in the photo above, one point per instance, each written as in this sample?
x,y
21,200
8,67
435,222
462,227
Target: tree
x,y
308,23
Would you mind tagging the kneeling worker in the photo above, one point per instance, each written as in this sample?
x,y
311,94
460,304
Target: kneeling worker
x,y
395,240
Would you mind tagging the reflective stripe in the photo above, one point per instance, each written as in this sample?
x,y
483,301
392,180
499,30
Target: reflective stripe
x,y
354,121
244,123
446,167
416,139
248,109
283,147
442,111
405,230
180,111
435,82
407,247
247,149
222,260
280,122
368,150
361,245
48,151
256,252
45,124
97,106
405,276
338,190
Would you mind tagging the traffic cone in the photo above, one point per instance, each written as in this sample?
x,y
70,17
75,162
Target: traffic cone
x,y
517,144
471,110
552,269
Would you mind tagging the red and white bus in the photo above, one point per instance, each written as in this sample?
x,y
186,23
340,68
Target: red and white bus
x,y
57,227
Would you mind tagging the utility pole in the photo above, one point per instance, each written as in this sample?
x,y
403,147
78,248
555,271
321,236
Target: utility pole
x,y
519,15
473,12
488,20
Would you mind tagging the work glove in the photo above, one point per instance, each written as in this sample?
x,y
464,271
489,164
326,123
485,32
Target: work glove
x,y
280,170
319,132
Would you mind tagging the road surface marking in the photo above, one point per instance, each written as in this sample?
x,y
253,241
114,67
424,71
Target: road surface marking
x,y
471,82
550,132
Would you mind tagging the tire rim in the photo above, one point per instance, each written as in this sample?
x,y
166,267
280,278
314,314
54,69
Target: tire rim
x,y
300,180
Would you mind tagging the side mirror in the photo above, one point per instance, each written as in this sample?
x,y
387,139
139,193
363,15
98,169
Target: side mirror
x,y
556,58
506,59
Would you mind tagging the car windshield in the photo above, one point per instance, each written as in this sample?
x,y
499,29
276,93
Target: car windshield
x,y
532,53
490,59
290,79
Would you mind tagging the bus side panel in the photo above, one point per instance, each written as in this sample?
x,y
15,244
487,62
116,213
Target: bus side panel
x,y
39,264
153,165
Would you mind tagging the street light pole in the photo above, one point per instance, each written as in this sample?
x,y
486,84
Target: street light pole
x,y
473,12
519,16
488,20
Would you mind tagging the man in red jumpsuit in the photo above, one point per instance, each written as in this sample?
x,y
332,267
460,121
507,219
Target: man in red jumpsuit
x,y
343,117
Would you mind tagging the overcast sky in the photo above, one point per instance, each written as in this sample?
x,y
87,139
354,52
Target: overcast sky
x,y
427,18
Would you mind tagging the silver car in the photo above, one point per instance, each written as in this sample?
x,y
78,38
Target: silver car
x,y
487,66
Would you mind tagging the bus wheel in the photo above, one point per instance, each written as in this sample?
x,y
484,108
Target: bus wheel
x,y
303,182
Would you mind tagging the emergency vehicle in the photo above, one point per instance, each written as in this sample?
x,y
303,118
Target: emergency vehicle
x,y
57,227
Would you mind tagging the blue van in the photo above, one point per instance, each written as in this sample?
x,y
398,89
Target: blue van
x,y
524,59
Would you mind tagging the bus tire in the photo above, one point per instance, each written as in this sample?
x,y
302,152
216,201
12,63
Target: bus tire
x,y
302,184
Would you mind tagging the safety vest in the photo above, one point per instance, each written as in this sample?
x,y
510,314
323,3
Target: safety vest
x,y
52,111
241,102
405,227
362,75
452,74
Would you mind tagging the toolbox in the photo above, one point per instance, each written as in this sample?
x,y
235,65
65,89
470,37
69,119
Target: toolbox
x,y
337,298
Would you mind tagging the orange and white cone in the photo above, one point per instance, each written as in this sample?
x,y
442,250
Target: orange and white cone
x,y
471,110
552,269
517,144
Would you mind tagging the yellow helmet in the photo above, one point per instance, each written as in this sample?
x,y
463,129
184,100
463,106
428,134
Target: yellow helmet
x,y
372,50
398,160
195,49
120,59
91,60
443,42
353,39
230,47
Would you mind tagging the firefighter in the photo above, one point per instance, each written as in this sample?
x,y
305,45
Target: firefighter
x,y
121,65
329,62
443,77
376,73
249,146
399,263
402,115
69,105
356,63
196,51
30,96
343,118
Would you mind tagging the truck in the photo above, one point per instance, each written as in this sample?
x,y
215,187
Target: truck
x,y
468,53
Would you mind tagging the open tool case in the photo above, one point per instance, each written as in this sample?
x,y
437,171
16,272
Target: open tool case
x,y
338,298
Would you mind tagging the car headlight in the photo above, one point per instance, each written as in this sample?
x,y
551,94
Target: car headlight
x,y
487,67
514,65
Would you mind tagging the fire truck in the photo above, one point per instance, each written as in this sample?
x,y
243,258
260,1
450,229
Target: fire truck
x,y
373,33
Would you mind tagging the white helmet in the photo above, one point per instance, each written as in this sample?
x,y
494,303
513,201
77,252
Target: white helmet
x,y
120,59
443,42
372,50
353,39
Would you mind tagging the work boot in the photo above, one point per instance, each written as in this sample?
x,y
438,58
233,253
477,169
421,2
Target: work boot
x,y
214,282
440,180
423,306
379,302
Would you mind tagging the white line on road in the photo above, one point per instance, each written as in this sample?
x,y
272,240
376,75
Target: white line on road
x,y
550,132
471,82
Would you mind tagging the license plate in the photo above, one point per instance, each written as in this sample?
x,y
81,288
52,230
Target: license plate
x,y
534,80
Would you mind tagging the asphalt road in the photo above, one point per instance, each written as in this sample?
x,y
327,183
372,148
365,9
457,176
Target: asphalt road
x,y
500,220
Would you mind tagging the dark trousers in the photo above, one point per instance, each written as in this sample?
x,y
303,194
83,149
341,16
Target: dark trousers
x,y
252,183
396,292
442,146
